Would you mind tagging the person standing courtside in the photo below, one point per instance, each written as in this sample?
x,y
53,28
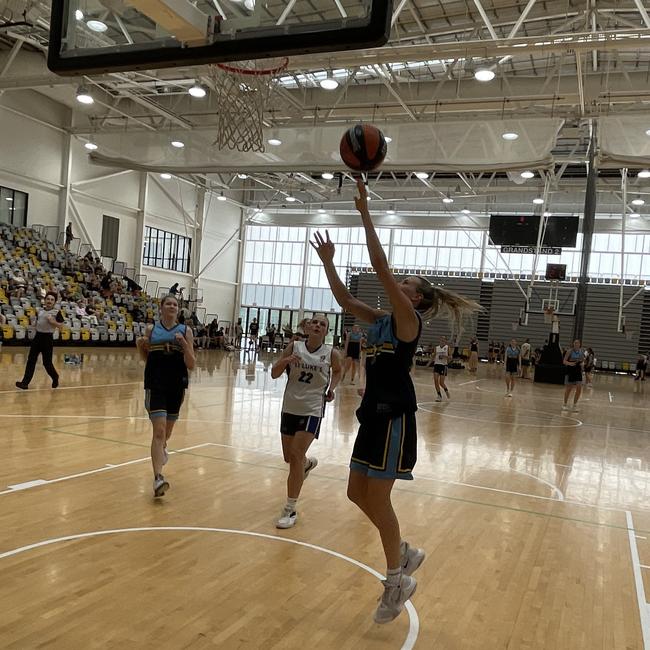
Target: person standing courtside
x,y
43,343
168,349
440,362
512,359
473,354
353,340
309,385
386,445
573,360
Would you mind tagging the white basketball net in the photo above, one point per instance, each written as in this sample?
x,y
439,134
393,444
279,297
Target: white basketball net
x,y
244,90
549,312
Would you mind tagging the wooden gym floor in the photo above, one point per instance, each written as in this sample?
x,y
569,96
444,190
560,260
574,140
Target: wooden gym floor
x,y
536,524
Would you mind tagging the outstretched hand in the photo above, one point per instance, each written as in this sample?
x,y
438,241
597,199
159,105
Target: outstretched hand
x,y
324,247
361,201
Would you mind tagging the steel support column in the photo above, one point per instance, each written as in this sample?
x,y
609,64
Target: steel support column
x,y
587,236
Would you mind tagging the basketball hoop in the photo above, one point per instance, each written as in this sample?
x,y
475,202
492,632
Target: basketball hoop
x,y
549,312
244,90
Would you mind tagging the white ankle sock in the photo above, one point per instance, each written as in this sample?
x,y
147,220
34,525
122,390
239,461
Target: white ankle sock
x,y
291,503
393,576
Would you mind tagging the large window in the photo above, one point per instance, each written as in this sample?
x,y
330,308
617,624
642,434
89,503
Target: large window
x,y
276,257
13,207
166,250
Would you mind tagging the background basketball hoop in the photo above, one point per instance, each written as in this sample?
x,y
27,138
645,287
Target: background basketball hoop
x,y
549,312
244,90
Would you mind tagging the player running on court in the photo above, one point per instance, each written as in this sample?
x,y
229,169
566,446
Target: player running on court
x,y
168,349
309,385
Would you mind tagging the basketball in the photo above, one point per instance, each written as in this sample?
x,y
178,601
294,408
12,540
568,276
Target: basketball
x,y
363,147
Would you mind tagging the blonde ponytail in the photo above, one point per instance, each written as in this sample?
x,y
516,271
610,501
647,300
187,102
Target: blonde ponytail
x,y
436,300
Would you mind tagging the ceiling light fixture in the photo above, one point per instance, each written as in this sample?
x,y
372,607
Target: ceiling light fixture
x,y
291,199
178,144
538,201
638,202
510,135
321,210
644,173
97,26
78,14
421,175
198,90
328,176
447,199
635,215
242,176
527,174
465,211
484,74
647,132
274,142
547,214
329,83
83,96
91,146
165,176
221,197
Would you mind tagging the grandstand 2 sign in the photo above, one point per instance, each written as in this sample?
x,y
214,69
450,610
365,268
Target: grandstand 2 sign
x,y
543,250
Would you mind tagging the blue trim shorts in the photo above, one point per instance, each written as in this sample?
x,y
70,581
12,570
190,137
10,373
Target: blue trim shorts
x,y
290,424
163,403
386,446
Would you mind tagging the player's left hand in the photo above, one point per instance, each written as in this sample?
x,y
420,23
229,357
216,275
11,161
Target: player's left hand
x,y
330,396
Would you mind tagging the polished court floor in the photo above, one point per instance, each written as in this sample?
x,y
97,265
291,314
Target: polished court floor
x,y
536,524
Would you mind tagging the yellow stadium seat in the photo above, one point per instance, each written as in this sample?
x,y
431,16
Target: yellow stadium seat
x,y
7,332
85,335
23,320
65,334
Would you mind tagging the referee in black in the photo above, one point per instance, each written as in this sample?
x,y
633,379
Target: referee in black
x,y
43,342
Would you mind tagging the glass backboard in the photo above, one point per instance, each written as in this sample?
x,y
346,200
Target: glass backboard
x,y
89,36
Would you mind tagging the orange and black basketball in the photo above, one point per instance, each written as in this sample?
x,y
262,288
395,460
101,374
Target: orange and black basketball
x,y
363,147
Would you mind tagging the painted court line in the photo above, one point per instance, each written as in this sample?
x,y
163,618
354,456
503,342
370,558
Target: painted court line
x,y
465,383
30,484
555,497
34,390
414,622
644,608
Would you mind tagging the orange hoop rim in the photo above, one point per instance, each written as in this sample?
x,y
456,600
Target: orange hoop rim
x,y
263,72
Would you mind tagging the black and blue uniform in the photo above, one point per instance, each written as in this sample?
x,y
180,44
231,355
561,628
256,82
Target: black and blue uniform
x,y
386,445
354,345
574,373
165,374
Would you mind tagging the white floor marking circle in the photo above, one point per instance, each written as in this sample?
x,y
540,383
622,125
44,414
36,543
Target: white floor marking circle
x,y
414,621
